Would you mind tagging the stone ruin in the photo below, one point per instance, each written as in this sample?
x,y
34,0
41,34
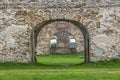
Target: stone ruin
x,y
21,20
62,31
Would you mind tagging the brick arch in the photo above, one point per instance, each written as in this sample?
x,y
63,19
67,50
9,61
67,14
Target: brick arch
x,y
37,29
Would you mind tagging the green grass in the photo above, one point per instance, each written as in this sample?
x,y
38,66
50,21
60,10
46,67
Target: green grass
x,y
66,59
48,69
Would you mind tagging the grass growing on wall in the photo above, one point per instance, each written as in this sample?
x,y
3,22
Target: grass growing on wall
x,y
108,70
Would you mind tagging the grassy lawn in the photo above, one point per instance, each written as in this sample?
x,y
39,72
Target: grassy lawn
x,y
66,59
61,67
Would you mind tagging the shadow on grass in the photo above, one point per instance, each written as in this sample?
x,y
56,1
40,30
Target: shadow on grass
x,y
92,65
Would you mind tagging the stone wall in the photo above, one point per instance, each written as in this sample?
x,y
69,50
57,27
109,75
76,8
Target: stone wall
x,y
43,40
102,19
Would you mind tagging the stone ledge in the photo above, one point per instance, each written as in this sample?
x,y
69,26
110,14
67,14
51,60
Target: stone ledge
x,y
58,4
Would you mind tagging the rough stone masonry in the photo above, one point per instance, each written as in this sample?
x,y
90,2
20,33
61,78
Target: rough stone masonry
x,y
19,17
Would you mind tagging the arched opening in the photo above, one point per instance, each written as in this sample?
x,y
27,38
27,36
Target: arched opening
x,y
69,44
38,28
53,44
72,44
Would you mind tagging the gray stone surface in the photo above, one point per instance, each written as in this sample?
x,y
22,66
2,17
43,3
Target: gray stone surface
x,y
43,45
100,17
